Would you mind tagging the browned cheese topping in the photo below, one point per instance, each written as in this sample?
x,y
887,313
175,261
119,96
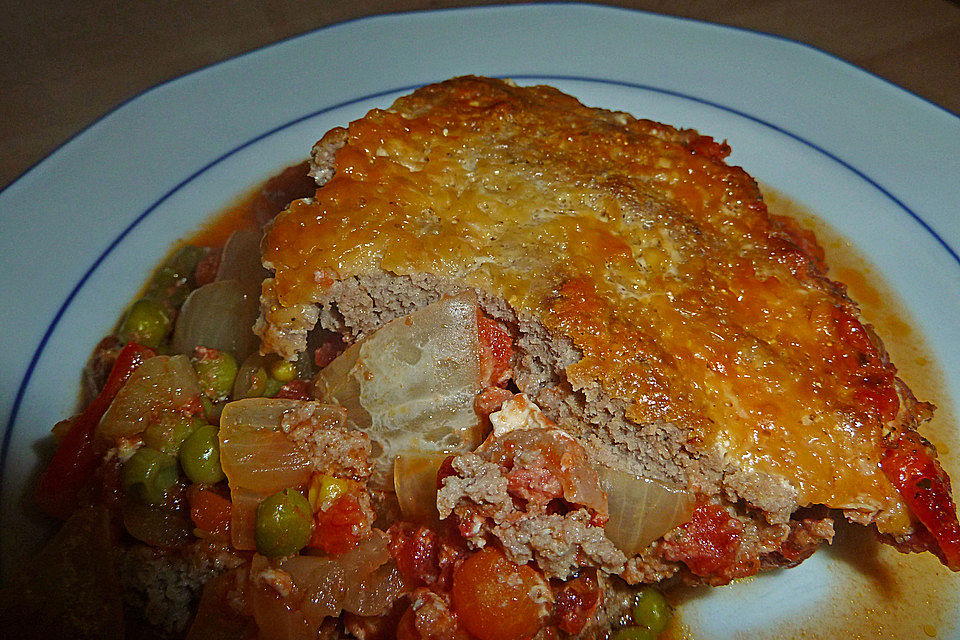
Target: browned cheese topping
x,y
637,242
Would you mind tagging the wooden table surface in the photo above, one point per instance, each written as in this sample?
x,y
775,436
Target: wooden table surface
x,y
65,64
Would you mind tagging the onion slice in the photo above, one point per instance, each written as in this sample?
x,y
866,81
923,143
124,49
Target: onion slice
x,y
641,510
161,384
243,517
219,315
240,260
163,526
415,483
410,386
365,581
256,453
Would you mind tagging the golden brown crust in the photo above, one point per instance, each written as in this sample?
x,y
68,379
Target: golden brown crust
x,y
634,241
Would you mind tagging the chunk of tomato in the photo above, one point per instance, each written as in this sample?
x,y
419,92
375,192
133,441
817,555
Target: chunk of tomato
x,y
913,469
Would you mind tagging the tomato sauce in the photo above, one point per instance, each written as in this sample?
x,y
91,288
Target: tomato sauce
x,y
252,209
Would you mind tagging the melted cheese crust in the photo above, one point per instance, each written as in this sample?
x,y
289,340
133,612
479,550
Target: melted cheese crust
x,y
638,243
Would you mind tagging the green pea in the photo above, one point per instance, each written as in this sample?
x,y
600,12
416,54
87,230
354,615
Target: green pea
x,y
168,286
271,387
635,633
149,475
216,371
200,456
258,383
148,322
651,610
167,433
211,409
184,261
283,524
283,370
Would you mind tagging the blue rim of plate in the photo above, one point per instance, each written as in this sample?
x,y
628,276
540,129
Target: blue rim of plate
x,y
38,352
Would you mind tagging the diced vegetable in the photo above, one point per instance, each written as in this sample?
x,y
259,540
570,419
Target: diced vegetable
x,y
259,459
215,619
216,372
171,282
164,526
576,601
325,489
641,510
411,384
200,456
254,379
271,386
364,581
209,511
912,467
255,453
295,390
496,599
283,371
251,378
650,610
562,456
240,260
415,483
277,617
76,458
184,261
149,474
342,525
219,315
161,384
243,517
283,524
168,432
147,322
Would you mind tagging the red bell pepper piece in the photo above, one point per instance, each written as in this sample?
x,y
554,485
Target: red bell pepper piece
x,y
913,469
76,458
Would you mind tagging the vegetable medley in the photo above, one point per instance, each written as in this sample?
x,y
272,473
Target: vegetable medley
x,y
303,495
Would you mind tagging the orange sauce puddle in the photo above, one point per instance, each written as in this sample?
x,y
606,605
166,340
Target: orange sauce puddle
x,y
884,594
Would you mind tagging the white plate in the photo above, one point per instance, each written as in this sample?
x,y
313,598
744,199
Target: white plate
x,y
81,230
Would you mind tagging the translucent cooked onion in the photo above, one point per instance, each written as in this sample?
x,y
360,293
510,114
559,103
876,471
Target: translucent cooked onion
x,y
240,260
254,453
641,510
415,483
259,458
214,619
364,581
157,525
278,617
219,315
243,517
162,383
411,385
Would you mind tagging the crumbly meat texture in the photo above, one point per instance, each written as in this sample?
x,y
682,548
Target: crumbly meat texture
x,y
329,445
660,314
163,587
